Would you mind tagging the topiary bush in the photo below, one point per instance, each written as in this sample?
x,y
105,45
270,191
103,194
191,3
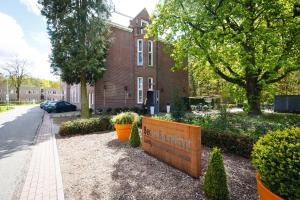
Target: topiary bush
x,y
276,157
215,183
85,126
125,118
177,107
134,140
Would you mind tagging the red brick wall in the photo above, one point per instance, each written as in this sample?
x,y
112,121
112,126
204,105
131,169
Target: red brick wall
x,y
119,74
122,70
168,81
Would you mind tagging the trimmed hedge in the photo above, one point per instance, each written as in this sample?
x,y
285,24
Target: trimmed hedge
x,y
228,142
85,126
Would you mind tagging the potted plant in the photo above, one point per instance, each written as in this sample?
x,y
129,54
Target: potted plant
x,y
276,157
123,123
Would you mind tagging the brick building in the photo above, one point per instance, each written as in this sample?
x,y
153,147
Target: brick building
x,y
30,93
137,68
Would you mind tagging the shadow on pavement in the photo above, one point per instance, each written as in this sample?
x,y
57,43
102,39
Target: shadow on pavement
x,y
18,133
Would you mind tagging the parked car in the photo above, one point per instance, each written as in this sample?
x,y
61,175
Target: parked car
x,y
60,106
44,104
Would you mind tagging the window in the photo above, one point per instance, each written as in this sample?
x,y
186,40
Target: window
x,y
140,52
150,84
90,100
150,53
139,90
78,94
143,25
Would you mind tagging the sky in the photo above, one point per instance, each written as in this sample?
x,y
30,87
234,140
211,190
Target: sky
x,y
23,32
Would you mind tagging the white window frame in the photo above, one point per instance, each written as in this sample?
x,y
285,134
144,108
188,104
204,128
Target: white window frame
x,y
150,53
139,88
78,94
150,83
139,51
142,27
90,100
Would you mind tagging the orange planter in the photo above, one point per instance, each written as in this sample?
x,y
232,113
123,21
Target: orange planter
x,y
265,193
123,131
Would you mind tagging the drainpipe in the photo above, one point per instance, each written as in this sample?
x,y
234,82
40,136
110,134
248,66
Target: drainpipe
x,y
157,72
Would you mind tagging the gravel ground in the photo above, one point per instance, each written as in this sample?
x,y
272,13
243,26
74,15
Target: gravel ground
x,y
98,166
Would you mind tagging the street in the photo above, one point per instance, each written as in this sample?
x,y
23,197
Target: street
x,y
17,132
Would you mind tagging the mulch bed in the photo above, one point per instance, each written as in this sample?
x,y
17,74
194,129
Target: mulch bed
x,y
98,166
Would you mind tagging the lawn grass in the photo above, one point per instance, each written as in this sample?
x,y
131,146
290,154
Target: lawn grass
x,y
5,108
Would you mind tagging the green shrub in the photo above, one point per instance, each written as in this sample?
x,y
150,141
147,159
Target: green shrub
x,y
125,118
228,141
177,107
276,157
134,140
215,183
85,126
137,110
108,111
117,110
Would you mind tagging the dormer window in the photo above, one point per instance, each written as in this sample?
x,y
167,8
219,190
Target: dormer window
x,y
144,23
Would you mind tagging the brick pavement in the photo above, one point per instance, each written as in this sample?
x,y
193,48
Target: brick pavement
x,y
44,181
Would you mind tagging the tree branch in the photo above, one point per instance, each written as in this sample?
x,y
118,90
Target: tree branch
x,y
285,74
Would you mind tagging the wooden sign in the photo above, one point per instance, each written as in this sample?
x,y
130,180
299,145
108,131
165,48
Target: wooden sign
x,y
175,143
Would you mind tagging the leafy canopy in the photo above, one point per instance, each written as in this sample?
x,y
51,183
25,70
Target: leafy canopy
x,y
79,33
239,40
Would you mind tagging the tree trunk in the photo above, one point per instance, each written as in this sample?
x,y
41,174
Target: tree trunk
x,y
253,90
85,113
18,93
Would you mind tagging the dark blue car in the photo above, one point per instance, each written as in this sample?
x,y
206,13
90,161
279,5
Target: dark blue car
x,y
60,106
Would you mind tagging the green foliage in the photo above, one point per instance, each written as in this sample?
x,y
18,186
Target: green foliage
x,y
276,157
228,141
15,103
235,133
125,118
85,126
248,43
5,108
134,140
31,81
215,183
178,107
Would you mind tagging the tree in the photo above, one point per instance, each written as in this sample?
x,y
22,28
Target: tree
x,y
79,35
251,43
16,69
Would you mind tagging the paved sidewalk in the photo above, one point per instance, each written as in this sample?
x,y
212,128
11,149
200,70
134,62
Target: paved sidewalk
x,y
44,179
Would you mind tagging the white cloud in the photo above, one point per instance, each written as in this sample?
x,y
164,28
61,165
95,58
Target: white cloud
x,y
32,6
13,43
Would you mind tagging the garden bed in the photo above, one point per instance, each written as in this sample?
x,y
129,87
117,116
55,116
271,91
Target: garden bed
x,y
97,166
